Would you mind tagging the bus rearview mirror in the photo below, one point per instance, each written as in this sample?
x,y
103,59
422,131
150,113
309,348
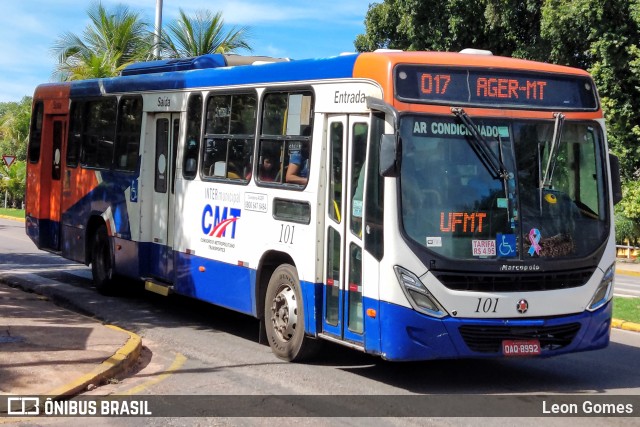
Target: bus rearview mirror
x,y
616,184
388,154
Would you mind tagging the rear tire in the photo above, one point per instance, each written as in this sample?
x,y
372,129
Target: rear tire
x,y
102,261
284,316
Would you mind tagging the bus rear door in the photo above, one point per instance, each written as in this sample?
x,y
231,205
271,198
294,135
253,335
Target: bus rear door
x,y
53,140
343,285
167,130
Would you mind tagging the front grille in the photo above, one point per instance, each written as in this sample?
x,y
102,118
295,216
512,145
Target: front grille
x,y
488,339
523,282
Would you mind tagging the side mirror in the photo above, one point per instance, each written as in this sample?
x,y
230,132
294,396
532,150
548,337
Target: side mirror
x,y
616,184
388,155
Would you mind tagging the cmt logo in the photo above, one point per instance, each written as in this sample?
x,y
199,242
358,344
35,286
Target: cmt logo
x,y
216,222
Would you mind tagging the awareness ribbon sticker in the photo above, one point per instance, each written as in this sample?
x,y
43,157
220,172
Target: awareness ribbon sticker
x,y
534,238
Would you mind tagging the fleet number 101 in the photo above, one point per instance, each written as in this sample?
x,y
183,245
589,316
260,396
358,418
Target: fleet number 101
x,y
487,305
286,233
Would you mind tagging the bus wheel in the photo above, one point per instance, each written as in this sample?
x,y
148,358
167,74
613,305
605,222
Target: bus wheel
x,y
101,265
284,316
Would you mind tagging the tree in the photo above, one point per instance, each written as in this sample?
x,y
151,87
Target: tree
x,y
12,183
15,119
627,230
201,34
603,36
506,27
628,214
113,39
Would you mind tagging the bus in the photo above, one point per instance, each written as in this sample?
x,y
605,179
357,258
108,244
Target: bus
x,y
410,205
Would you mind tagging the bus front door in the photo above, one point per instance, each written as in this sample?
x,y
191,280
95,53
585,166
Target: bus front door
x,y
343,285
167,130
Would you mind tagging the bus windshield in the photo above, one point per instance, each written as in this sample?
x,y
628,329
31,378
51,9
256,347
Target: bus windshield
x,y
454,204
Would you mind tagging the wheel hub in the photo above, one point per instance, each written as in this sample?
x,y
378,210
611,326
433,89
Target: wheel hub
x,y
284,313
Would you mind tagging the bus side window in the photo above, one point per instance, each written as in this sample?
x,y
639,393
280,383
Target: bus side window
x,y
374,190
229,137
74,140
358,156
214,161
192,144
36,132
99,133
287,121
128,134
270,162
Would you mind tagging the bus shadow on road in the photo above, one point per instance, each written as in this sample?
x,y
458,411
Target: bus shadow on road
x,y
611,370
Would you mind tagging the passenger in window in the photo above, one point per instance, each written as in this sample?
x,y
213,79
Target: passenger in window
x,y
268,170
298,169
240,163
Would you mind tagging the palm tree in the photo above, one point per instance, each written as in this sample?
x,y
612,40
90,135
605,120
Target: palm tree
x,y
111,41
204,33
12,183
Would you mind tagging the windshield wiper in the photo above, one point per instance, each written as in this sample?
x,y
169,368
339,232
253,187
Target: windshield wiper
x,y
553,152
481,147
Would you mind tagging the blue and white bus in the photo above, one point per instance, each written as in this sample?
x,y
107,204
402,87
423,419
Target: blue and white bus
x,y
412,205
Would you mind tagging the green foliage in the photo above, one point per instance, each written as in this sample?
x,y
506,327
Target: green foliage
x,y
603,36
14,127
510,27
627,230
13,213
118,37
14,134
12,181
627,214
112,40
627,309
629,207
201,34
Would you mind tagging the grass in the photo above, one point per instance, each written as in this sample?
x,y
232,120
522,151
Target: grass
x,y
627,309
14,213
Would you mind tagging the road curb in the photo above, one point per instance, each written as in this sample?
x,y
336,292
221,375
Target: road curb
x,y
121,360
12,218
623,324
627,272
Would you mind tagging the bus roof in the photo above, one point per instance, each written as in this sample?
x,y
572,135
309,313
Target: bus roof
x,y
302,70
217,71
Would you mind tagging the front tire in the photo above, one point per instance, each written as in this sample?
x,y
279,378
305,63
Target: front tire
x,y
102,261
284,316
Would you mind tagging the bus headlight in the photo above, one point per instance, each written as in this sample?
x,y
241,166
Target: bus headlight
x,y
603,294
418,295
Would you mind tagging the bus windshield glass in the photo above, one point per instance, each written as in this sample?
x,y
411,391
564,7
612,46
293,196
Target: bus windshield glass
x,y
454,204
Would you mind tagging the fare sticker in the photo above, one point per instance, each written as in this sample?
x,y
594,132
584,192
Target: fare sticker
x,y
484,247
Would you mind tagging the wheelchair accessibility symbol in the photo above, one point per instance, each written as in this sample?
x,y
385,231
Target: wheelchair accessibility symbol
x,y
506,245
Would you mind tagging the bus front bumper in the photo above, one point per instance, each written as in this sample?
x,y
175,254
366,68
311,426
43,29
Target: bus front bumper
x,y
414,336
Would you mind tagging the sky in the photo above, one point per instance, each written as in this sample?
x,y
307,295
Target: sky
x,y
283,28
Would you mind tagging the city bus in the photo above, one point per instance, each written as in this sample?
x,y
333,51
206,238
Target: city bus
x,y
410,205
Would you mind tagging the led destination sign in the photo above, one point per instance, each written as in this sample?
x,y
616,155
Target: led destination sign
x,y
455,86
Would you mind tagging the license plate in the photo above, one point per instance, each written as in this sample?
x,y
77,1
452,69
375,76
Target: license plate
x,y
520,347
